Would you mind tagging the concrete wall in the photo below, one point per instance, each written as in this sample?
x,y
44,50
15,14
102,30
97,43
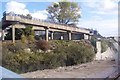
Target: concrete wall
x,y
86,36
98,54
109,54
0,35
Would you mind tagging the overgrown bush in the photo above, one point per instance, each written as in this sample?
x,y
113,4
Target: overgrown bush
x,y
93,42
32,46
64,53
43,45
13,47
23,62
75,52
104,45
24,39
31,38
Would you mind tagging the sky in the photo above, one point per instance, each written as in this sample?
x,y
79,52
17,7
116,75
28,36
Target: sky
x,y
101,15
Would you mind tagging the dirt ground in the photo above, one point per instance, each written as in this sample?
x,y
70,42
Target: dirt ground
x,y
95,69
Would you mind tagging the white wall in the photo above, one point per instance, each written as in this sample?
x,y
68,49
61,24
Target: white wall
x,y
0,34
98,54
86,36
109,54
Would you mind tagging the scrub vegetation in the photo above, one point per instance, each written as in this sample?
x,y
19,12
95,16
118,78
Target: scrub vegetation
x,y
42,55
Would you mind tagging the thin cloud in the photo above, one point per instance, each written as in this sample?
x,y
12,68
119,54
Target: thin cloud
x,y
114,12
20,8
40,14
103,6
16,7
105,27
108,5
103,16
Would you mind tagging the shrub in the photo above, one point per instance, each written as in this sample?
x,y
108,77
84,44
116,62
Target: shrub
x,y
32,46
93,42
75,52
65,53
43,45
31,38
13,47
51,61
24,39
23,62
104,45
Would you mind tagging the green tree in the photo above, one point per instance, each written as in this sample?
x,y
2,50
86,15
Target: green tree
x,y
28,35
64,12
28,31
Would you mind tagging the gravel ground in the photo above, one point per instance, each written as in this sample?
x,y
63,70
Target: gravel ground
x,y
95,69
